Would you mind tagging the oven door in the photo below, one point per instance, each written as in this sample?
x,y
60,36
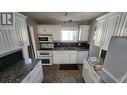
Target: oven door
x,y
44,53
46,60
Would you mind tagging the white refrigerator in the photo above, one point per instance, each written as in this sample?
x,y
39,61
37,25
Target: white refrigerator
x,y
115,65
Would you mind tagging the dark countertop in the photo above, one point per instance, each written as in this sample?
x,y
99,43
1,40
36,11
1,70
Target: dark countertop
x,y
71,48
16,72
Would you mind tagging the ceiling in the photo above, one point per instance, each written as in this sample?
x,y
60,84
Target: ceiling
x,y
48,17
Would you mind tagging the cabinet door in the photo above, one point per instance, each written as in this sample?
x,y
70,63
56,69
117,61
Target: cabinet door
x,y
60,57
81,56
44,29
3,42
21,29
83,32
124,27
12,39
57,33
72,57
98,33
112,27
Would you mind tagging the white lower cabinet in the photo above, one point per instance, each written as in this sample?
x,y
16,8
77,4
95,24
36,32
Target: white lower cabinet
x,y
69,57
89,75
35,76
64,57
81,55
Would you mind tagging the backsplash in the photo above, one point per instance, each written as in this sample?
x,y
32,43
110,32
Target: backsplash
x,y
10,59
85,45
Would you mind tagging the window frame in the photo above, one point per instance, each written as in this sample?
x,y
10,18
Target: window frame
x,y
70,28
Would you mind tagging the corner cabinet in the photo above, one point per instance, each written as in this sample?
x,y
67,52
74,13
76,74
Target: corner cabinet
x,y
12,39
83,32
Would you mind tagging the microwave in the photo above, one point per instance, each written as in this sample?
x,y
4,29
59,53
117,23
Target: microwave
x,y
45,38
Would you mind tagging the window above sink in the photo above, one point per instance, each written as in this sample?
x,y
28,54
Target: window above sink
x,y
69,34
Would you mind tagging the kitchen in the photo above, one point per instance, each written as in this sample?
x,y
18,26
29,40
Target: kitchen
x,y
63,47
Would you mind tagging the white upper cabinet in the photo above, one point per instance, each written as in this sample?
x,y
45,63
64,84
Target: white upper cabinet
x,y
123,30
3,42
21,29
56,33
83,32
112,27
99,32
44,29
107,26
14,38
55,30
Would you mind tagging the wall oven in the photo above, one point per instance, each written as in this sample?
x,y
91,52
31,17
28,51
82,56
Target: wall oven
x,y
45,38
45,56
46,46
